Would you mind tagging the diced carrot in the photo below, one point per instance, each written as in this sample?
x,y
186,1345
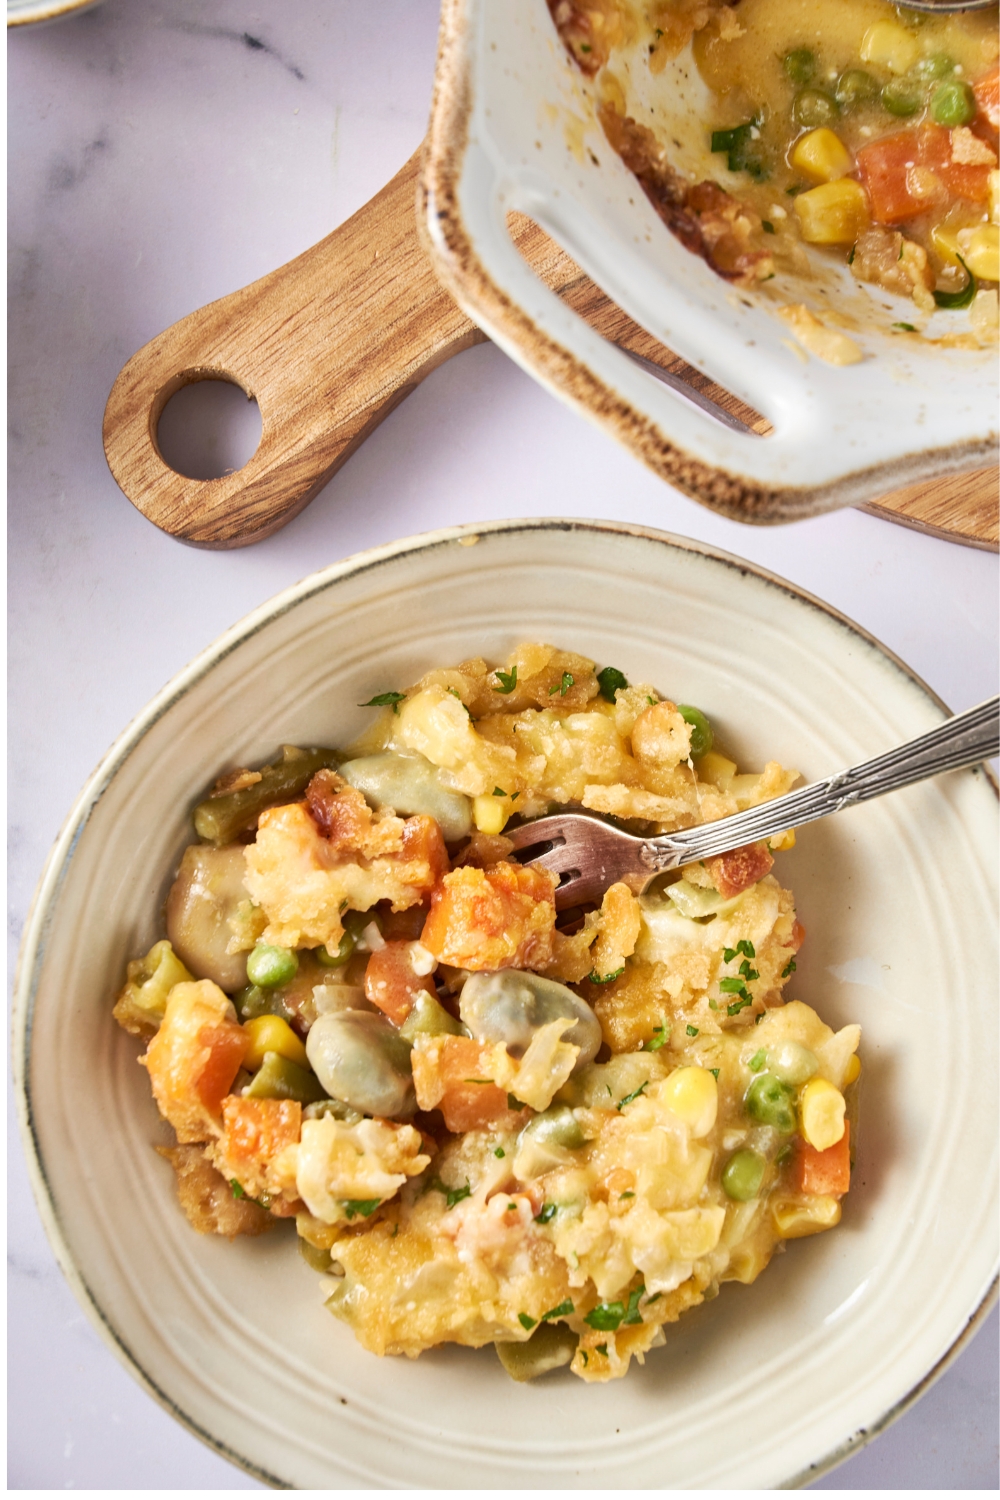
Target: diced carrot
x,y
448,1075
503,917
987,92
227,1044
392,985
912,171
825,1173
739,869
255,1130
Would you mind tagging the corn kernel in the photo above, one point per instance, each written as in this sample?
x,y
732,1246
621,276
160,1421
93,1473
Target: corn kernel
x,y
822,156
983,254
995,196
692,1094
835,213
821,1114
853,1070
716,770
272,1034
490,814
944,240
794,1218
890,46
779,841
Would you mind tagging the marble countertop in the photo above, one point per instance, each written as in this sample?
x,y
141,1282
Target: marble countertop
x,y
164,152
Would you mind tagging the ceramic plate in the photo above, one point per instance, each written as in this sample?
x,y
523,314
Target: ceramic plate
x,y
768,1384
514,128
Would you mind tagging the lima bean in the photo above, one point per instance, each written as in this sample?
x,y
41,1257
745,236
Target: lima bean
x,y
410,784
511,1006
208,889
359,1057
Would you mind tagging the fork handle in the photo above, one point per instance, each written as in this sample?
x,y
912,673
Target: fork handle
x,y
964,740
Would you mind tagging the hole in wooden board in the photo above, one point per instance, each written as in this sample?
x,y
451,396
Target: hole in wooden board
x,y
560,272
208,429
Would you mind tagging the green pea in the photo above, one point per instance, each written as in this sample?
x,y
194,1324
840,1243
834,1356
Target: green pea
x,y
743,1175
799,64
813,108
856,87
902,97
701,730
277,1078
939,65
953,103
771,1102
270,967
340,955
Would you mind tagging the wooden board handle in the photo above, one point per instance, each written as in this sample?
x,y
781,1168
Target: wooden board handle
x,y
327,345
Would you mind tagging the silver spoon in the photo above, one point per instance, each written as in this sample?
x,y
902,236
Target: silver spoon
x,y
589,854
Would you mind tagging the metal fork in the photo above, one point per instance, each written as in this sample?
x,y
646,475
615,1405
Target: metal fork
x,y
589,854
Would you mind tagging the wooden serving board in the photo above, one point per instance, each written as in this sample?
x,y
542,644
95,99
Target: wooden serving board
x,y
329,343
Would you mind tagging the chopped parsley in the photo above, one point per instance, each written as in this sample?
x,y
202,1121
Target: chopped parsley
x,y
905,327
238,1191
563,686
651,699
850,257
596,978
632,1311
741,146
512,1208
661,1035
691,1030
547,1212
603,1349
747,972
525,1321
514,796
738,1005
564,1310
715,1073
452,1195
606,1317
634,1095
610,681
477,1080
732,986
628,1194
767,227
757,1061
500,1152
456,694
507,680
385,700
498,791
789,968
361,1207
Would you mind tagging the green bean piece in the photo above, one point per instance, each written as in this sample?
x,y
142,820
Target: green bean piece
x,y
771,1102
550,1346
335,1107
277,1078
343,952
315,1257
429,1018
800,65
743,149
143,1001
964,298
743,1175
269,966
813,108
938,65
702,738
221,820
953,103
902,97
856,87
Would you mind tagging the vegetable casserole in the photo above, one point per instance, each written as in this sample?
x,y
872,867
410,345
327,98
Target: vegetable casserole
x,y
490,1126
859,127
